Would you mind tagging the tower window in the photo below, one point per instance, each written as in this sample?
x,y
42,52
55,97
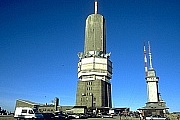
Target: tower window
x,y
89,83
94,104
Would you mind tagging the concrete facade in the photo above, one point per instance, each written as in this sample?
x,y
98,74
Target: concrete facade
x,y
95,93
152,86
95,34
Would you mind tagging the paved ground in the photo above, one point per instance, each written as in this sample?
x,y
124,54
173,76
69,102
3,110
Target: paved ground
x,y
172,117
6,117
115,118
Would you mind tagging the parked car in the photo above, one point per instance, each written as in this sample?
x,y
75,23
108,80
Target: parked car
x,y
104,115
61,116
91,115
83,116
48,116
73,116
156,117
26,113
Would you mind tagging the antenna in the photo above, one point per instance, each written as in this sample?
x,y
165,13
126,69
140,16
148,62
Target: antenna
x,y
145,60
95,7
150,56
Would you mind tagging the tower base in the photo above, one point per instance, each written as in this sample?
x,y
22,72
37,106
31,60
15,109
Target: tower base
x,y
93,93
154,109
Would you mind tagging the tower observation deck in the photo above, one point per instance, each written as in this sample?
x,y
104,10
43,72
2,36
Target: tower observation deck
x,y
94,66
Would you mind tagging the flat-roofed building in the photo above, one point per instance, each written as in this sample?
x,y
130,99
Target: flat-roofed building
x,y
43,108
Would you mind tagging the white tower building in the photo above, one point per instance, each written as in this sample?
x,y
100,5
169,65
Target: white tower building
x,y
152,80
155,105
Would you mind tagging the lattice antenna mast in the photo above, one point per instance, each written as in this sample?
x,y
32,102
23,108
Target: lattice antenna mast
x,y
150,56
145,61
95,7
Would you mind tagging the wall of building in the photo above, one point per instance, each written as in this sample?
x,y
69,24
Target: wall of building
x,y
20,103
95,93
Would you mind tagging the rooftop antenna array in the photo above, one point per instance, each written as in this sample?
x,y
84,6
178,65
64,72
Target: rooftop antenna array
x,y
145,58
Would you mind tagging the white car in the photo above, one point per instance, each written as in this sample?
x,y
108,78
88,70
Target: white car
x,y
26,113
104,115
71,116
156,117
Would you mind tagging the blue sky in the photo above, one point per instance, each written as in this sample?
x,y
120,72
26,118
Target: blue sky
x,y
39,42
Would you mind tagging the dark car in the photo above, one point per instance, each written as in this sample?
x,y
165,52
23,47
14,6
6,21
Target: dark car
x,y
73,116
61,116
83,116
91,115
48,116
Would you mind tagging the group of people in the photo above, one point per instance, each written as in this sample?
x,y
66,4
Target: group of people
x,y
3,112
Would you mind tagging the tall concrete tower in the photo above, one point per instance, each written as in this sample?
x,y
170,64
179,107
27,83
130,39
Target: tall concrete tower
x,y
94,66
